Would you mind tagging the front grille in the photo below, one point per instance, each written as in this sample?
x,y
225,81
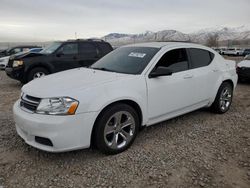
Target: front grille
x,y
10,63
29,103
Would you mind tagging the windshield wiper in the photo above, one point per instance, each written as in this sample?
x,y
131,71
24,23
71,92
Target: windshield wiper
x,y
101,68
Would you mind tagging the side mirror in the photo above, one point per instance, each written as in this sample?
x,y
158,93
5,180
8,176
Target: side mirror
x,y
59,54
160,71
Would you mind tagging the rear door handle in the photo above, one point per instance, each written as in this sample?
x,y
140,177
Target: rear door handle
x,y
188,76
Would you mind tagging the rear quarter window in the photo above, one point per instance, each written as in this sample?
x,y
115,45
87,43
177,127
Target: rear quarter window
x,y
87,50
105,48
200,58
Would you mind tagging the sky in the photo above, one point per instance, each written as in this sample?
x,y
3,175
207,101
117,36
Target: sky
x,y
43,20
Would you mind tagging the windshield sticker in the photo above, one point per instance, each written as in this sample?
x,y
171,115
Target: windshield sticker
x,y
136,54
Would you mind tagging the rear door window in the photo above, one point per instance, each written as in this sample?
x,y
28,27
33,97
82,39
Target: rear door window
x,y
87,50
104,48
200,57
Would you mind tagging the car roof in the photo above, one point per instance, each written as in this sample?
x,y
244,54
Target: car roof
x,y
86,40
164,44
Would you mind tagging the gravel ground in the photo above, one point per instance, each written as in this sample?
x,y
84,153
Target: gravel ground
x,y
199,149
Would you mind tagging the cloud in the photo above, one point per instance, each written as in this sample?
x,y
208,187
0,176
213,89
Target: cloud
x,y
60,19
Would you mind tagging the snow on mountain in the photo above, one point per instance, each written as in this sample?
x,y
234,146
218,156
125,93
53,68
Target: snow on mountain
x,y
224,33
165,35
201,36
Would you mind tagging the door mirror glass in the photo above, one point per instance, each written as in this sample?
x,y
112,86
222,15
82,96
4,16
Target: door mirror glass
x,y
59,54
160,71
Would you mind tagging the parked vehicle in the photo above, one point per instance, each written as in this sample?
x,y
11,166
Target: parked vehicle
x,y
246,52
217,50
3,52
233,52
57,57
243,69
133,86
35,50
16,50
222,51
4,60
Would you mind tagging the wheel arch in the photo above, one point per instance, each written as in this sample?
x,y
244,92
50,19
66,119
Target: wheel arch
x,y
217,86
229,81
36,65
129,102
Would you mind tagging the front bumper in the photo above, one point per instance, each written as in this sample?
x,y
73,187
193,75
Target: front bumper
x,y
15,73
65,132
2,66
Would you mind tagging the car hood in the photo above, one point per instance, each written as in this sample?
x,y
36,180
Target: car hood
x,y
245,63
4,58
26,55
67,83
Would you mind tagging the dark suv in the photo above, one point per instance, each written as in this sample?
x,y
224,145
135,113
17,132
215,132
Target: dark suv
x,y
59,56
246,52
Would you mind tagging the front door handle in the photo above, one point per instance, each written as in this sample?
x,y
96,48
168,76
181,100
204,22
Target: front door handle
x,y
188,76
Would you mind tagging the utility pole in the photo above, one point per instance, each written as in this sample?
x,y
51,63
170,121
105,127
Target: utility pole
x,y
75,35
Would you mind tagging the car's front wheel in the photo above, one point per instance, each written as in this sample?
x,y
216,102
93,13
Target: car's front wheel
x,y
37,72
223,98
116,128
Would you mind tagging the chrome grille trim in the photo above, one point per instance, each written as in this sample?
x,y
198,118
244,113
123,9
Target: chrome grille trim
x,y
29,103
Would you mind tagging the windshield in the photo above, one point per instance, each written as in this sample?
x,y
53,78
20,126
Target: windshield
x,y
51,48
128,60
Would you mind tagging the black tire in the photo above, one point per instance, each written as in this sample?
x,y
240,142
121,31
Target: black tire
x,y
101,141
34,71
217,106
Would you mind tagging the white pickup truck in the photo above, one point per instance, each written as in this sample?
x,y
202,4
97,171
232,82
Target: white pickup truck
x,y
232,51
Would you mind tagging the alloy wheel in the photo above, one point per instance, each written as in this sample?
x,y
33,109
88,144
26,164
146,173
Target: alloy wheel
x,y
39,75
225,99
119,130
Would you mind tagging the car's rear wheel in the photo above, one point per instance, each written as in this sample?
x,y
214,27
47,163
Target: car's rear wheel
x,y
116,128
37,72
223,98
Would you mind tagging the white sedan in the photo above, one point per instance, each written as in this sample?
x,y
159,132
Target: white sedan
x,y
243,69
4,61
135,85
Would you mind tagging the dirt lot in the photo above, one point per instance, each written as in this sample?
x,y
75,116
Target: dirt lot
x,y
199,149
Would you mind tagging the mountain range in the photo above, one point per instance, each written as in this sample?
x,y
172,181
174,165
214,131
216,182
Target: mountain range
x,y
201,36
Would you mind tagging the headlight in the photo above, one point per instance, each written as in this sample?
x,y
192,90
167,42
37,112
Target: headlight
x,y
57,106
17,63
